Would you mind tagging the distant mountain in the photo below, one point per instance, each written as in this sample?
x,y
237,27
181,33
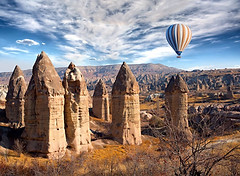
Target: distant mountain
x,y
152,77
107,72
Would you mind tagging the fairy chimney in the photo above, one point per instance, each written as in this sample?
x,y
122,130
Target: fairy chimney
x,y
76,110
229,94
15,97
176,97
44,132
101,101
126,127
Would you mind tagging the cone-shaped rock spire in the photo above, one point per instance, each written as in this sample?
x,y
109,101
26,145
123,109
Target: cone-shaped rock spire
x,y
126,126
177,104
76,110
44,111
100,89
125,82
15,97
177,84
46,77
101,101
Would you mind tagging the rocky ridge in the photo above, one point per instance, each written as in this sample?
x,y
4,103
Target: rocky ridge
x,y
152,77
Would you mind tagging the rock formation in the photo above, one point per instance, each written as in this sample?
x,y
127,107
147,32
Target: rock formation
x,y
229,94
101,101
15,97
3,94
176,97
76,110
126,126
44,132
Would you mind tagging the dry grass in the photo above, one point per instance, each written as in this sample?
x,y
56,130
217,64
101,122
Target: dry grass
x,y
111,160
144,159
152,105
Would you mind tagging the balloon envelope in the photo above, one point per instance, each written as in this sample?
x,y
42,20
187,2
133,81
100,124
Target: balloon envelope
x,y
178,37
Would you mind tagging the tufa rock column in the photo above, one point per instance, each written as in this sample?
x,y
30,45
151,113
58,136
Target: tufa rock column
x,y
126,127
76,110
176,99
229,94
15,97
44,111
101,101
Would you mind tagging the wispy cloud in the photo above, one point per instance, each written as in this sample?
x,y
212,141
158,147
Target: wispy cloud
x,y
111,30
28,42
211,67
13,49
4,53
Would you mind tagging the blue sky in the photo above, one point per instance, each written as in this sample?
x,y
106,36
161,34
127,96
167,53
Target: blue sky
x,y
100,32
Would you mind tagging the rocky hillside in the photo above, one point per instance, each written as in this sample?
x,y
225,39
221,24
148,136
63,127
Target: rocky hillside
x,y
107,73
153,77
197,80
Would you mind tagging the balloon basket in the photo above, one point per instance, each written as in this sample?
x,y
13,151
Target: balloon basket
x,y
178,56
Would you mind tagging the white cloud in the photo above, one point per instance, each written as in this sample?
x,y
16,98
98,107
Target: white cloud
x,y
43,43
4,53
67,48
107,30
211,67
74,38
12,49
58,61
28,42
157,53
202,67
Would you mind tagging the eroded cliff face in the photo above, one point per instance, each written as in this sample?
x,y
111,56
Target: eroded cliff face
x,y
15,97
126,126
176,98
44,111
76,110
101,101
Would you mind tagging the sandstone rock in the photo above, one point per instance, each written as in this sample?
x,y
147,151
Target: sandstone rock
x,y
76,110
177,103
126,127
101,101
44,132
15,97
229,94
145,116
3,94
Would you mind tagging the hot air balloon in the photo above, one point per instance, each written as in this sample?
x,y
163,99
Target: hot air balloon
x,y
178,37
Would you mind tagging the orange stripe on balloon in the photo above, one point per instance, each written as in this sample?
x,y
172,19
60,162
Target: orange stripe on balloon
x,y
188,37
183,37
178,36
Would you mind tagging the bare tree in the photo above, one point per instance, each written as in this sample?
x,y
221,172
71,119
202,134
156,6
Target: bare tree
x,y
196,156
